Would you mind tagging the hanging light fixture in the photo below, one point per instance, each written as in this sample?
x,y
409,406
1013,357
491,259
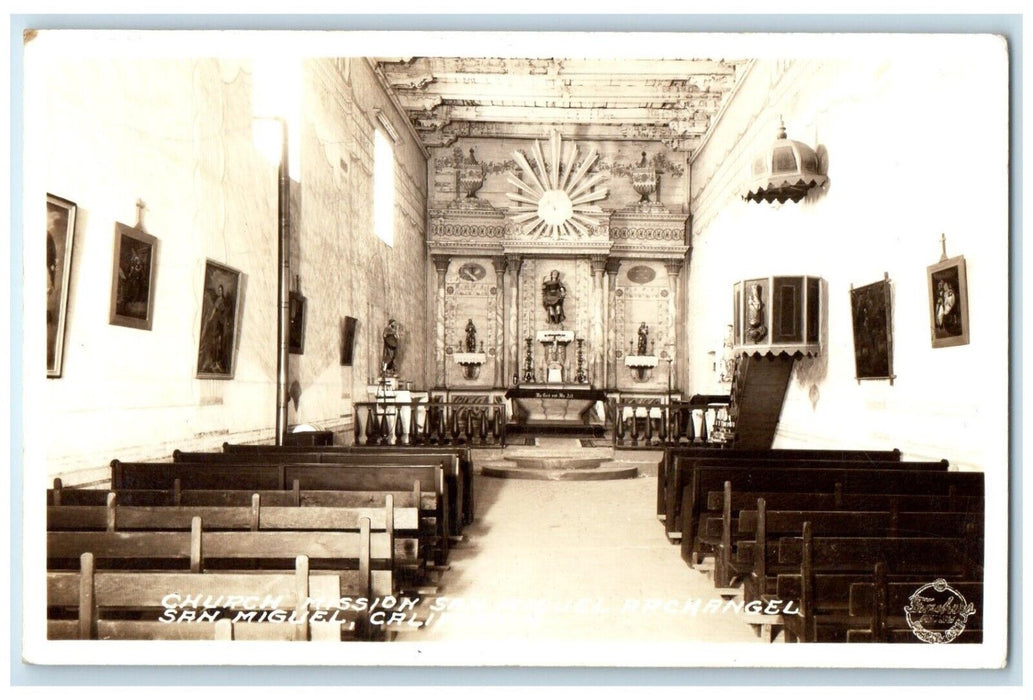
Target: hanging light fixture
x,y
787,170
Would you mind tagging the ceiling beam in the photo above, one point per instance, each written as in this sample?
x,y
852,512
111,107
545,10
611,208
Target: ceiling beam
x,y
695,121
656,69
448,134
418,102
466,85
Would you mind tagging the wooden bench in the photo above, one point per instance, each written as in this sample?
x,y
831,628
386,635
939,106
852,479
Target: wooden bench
x,y
667,465
401,524
458,485
829,566
867,513
683,467
361,561
757,558
462,453
814,478
131,605
425,501
881,605
266,477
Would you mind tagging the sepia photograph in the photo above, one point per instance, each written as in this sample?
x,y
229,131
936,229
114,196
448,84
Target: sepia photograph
x,y
577,378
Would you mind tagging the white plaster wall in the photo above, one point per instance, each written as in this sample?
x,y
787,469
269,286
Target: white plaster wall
x,y
344,268
908,159
177,133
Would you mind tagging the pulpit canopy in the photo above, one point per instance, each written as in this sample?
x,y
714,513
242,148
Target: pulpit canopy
x,y
787,170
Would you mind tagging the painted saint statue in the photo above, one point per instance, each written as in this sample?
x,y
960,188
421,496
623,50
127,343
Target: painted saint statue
x,y
553,294
390,352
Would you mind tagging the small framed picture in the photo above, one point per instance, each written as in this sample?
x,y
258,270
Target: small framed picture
x,y
60,235
348,340
948,303
132,278
873,330
296,339
220,310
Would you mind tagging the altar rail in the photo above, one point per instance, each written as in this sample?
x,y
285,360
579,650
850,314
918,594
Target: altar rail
x,y
649,424
438,422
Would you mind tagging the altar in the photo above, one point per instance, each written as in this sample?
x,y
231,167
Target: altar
x,y
557,405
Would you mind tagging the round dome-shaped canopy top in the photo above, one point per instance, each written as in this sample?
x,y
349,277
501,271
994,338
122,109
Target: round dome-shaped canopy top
x,y
787,170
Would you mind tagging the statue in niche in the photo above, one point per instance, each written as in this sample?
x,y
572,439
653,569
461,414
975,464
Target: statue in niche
x,y
471,336
643,339
755,316
390,352
553,294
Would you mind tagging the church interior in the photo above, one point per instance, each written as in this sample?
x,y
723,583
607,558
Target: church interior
x,y
581,323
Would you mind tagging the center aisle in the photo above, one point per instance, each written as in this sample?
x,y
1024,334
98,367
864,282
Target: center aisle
x,y
550,560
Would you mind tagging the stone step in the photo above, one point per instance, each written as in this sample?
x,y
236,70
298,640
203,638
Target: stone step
x,y
556,462
511,470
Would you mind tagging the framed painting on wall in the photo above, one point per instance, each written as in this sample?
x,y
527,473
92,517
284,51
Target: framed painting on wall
x,y
873,330
220,309
296,336
348,340
132,278
948,303
60,235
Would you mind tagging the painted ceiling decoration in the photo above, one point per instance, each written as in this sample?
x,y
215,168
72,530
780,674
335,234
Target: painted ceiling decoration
x,y
673,101
555,199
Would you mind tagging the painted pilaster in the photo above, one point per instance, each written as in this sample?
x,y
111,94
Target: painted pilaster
x,y
598,322
513,345
612,268
441,263
674,305
499,264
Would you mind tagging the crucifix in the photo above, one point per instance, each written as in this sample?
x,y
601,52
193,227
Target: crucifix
x,y
140,206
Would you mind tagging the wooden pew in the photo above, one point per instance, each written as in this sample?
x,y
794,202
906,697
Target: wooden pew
x,y
425,501
462,453
123,605
830,565
401,524
459,486
758,562
865,513
682,469
361,561
319,477
815,478
198,549
668,472
881,605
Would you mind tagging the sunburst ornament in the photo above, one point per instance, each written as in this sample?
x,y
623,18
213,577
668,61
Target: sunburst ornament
x,y
555,199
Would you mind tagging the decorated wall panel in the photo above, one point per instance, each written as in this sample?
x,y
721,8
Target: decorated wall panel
x,y
471,294
616,159
643,296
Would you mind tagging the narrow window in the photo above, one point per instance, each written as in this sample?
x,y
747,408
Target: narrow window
x,y
383,187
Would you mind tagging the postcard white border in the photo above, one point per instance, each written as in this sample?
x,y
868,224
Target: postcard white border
x,y
37,649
